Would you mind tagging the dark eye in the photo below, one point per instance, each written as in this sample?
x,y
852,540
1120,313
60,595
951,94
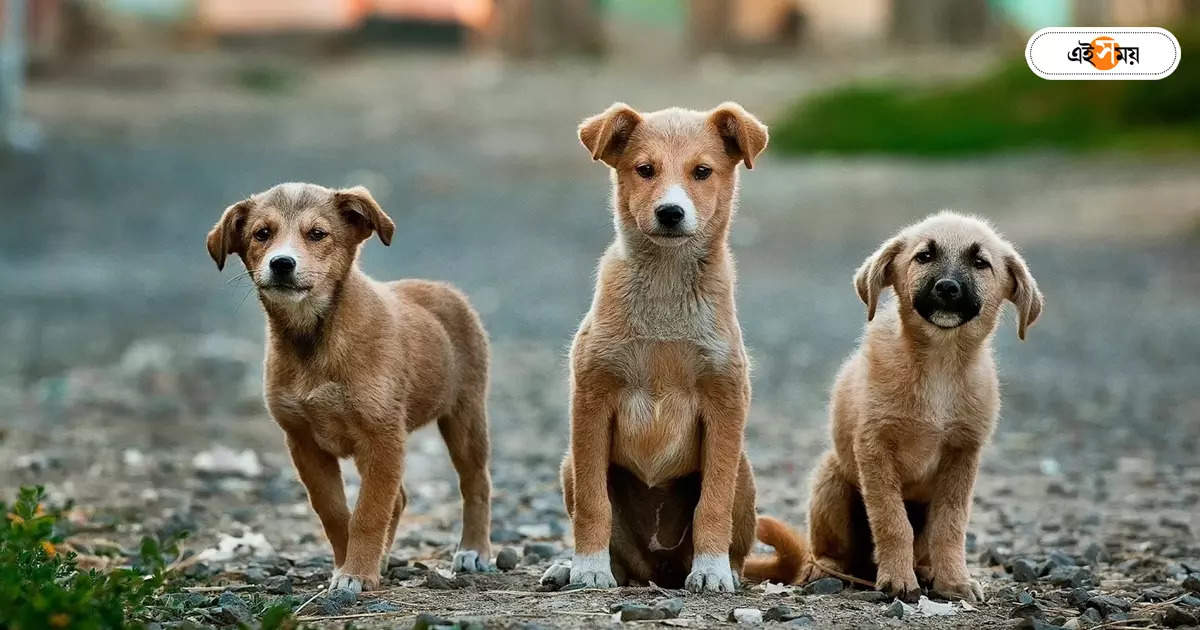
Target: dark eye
x,y
923,257
980,263
262,235
645,170
317,234
701,172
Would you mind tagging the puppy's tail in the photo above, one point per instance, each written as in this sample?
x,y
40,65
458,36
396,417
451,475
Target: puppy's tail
x,y
791,552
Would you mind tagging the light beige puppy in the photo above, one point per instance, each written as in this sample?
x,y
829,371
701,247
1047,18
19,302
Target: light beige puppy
x,y
353,365
656,481
911,410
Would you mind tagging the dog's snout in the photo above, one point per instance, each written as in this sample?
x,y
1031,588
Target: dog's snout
x,y
669,215
283,264
947,289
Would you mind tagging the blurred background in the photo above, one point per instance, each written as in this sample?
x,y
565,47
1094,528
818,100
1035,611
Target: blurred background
x,y
130,372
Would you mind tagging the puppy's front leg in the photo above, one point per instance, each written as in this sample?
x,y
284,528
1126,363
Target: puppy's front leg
x,y
949,511
723,415
381,466
890,529
591,436
322,478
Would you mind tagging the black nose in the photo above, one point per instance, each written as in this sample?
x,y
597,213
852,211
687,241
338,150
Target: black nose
x,y
283,264
947,289
669,215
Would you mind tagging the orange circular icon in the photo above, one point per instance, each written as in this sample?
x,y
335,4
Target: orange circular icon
x,y
1104,53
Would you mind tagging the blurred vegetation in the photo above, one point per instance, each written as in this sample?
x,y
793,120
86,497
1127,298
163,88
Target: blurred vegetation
x,y
1008,108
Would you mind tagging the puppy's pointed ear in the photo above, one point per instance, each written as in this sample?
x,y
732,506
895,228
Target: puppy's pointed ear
x,y
1024,293
360,209
876,273
226,238
606,134
744,136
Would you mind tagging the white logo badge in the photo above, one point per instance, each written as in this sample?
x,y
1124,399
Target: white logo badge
x,y
1089,54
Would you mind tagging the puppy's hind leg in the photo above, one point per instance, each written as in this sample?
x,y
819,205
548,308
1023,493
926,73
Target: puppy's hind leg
x,y
466,433
830,522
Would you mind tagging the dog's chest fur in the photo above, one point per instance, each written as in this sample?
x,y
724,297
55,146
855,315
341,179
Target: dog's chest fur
x,y
945,408
659,335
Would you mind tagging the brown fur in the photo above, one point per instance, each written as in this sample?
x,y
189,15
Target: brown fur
x,y
656,472
353,365
911,410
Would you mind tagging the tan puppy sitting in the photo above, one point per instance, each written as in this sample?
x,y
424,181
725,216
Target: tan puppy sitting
x,y
353,365
911,410
656,480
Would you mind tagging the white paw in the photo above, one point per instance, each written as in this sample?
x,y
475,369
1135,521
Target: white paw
x,y
559,574
468,561
348,582
711,573
593,570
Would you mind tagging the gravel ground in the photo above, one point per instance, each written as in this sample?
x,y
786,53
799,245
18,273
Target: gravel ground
x,y
131,374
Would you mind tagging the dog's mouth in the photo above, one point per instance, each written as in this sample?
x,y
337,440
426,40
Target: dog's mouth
x,y
668,238
945,316
285,288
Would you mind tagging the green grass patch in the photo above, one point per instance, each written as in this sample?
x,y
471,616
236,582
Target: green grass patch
x,y
1009,108
41,585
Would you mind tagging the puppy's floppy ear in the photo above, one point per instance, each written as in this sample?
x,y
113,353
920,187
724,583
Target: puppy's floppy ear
x,y
744,136
876,273
361,209
226,237
1024,294
606,134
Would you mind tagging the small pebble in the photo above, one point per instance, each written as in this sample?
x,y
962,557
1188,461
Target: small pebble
x,y
1072,576
345,596
381,606
404,573
235,607
440,582
1092,616
278,585
746,615
1192,583
507,559
873,597
1060,559
895,610
781,613
1108,604
637,612
543,550
1158,593
823,586
671,606
1173,616
1024,570
1078,597
1026,611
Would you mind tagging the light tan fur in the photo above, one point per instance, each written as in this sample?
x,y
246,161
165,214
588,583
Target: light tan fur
x,y
659,376
353,365
910,410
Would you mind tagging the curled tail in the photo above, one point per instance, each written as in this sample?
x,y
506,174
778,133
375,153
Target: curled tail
x,y
784,565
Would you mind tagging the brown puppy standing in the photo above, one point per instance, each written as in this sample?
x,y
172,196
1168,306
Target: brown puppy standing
x,y
353,365
656,480
911,410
